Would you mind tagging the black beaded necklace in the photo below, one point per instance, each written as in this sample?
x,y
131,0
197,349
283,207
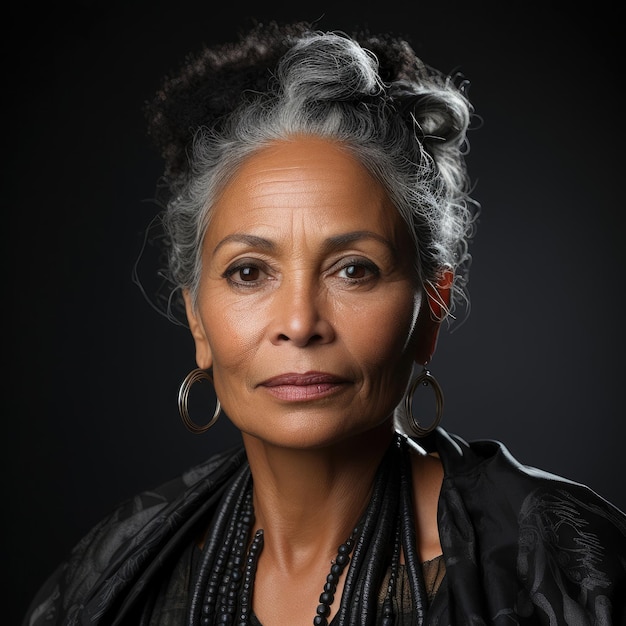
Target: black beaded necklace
x,y
229,591
224,580
330,587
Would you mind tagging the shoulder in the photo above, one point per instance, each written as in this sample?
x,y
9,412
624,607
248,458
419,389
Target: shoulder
x,y
493,484
113,553
489,467
541,539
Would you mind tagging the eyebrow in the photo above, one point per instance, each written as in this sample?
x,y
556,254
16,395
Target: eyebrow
x,y
336,242
253,241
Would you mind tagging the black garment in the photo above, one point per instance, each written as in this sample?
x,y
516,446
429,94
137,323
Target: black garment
x,y
521,546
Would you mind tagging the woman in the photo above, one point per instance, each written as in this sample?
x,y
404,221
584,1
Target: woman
x,y
317,222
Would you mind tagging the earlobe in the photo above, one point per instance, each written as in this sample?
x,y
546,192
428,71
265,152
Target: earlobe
x,y
204,358
435,308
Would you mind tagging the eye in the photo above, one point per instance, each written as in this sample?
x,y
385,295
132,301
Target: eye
x,y
358,270
245,274
248,274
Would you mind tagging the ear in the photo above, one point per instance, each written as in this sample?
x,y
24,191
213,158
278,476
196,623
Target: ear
x,y
204,357
434,310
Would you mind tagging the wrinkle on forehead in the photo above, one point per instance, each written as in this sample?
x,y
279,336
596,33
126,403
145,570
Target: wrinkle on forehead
x,y
303,165
297,189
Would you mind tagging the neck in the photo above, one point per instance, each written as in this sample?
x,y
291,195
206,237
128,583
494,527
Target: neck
x,y
308,501
302,541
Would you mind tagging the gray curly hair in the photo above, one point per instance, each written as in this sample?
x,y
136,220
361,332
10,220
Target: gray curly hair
x,y
405,122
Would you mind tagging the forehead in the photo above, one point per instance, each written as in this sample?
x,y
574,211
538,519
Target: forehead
x,y
310,180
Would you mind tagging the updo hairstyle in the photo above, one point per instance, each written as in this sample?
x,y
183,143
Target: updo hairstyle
x,y
404,121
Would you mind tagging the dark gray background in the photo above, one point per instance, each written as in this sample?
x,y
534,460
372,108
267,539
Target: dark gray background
x,y
92,371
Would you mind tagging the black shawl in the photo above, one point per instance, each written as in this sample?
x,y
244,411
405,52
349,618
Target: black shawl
x,y
521,546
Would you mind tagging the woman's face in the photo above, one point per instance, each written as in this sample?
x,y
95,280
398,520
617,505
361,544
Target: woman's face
x,y
307,307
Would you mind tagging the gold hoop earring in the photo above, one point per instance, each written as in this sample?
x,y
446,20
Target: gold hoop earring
x,y
426,379
183,394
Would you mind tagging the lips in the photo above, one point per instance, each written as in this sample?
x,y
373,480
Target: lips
x,y
300,380
296,387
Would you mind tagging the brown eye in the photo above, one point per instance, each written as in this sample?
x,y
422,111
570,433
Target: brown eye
x,y
355,271
248,274
245,274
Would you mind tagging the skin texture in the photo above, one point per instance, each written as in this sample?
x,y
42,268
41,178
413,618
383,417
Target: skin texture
x,y
310,316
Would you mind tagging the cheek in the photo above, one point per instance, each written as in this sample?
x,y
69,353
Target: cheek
x,y
233,331
384,334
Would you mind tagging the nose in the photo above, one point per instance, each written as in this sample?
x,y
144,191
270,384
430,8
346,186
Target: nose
x,y
300,314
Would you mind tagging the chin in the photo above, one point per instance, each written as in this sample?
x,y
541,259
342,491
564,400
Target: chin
x,y
318,433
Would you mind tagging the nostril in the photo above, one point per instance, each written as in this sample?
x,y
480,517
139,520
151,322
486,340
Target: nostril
x,y
307,341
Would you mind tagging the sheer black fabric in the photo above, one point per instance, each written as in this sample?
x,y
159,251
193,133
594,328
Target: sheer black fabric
x,y
521,546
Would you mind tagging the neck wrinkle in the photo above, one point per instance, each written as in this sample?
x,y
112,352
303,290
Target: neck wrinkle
x,y
308,501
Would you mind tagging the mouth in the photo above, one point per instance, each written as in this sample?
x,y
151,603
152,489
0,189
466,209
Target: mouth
x,y
295,387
